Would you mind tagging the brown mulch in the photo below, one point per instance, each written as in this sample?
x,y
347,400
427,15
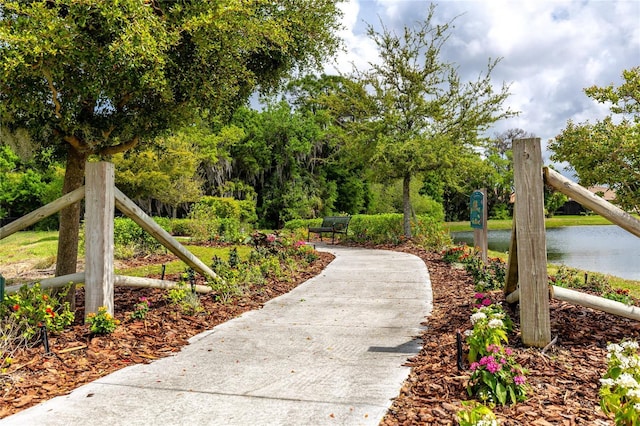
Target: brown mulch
x,y
564,378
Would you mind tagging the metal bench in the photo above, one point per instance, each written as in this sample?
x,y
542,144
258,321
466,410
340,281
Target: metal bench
x,y
331,224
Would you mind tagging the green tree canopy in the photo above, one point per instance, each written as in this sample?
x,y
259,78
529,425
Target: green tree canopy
x,y
606,152
412,113
94,77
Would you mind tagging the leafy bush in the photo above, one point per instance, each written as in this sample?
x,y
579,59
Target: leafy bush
x,y
131,240
102,322
620,386
491,326
497,378
33,308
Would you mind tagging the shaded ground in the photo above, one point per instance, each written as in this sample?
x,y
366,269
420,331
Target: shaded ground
x,y
564,378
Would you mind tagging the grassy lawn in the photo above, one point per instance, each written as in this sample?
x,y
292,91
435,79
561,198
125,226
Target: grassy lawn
x,y
39,249
205,254
554,222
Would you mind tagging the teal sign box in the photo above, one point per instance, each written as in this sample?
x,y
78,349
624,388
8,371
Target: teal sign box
x,y
476,209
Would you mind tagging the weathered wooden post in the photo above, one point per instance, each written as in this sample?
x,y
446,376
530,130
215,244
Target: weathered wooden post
x,y
478,217
531,242
99,213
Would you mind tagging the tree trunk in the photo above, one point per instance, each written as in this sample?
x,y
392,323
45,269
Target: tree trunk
x,y
406,205
70,221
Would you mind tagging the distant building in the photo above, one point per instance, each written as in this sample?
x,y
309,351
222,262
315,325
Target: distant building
x,y
572,207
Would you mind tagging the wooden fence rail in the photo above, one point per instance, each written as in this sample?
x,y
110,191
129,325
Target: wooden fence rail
x,y
526,280
102,197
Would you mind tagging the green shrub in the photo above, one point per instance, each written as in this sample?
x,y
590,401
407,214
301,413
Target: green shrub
x,y
130,239
33,308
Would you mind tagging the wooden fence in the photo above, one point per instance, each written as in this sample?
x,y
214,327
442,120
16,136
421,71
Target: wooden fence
x,y
101,199
527,280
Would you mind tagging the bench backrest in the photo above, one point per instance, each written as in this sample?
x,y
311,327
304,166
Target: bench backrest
x,y
338,223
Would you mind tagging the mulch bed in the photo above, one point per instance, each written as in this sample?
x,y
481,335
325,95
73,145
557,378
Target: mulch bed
x,y
564,378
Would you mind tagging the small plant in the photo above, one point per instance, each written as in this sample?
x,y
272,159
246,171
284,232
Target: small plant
x,y
32,308
102,322
182,296
620,386
482,300
476,414
619,295
11,339
455,254
141,309
497,378
491,324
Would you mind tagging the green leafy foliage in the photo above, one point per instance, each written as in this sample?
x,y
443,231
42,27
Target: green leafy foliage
x,y
620,385
102,322
475,414
410,113
491,326
497,378
32,308
605,152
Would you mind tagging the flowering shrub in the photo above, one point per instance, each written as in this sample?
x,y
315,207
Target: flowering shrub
x,y
485,277
475,414
497,378
141,309
455,254
102,322
32,308
620,386
491,325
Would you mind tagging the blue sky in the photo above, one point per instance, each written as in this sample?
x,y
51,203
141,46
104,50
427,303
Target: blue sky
x,y
550,50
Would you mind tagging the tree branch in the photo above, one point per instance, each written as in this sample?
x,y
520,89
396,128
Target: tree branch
x,y
111,150
54,92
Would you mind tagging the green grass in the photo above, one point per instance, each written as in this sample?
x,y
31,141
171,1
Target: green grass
x,y
24,246
205,254
554,222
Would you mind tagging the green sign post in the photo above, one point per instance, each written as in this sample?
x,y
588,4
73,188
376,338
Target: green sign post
x,y
477,210
1,288
478,217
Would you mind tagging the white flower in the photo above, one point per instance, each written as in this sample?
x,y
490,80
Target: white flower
x,y
607,382
477,317
634,393
630,344
468,332
626,380
496,323
487,422
614,347
636,406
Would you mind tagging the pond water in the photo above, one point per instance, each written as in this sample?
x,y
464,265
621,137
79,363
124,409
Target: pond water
x,y
607,249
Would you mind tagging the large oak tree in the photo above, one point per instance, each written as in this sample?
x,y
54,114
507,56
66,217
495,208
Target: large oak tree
x,y
95,77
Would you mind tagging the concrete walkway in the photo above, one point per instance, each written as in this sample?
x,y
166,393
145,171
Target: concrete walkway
x,y
330,352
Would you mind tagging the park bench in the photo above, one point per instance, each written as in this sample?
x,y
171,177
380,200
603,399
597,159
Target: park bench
x,y
331,224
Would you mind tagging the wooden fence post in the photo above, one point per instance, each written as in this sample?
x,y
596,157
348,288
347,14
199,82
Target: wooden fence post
x,y
531,242
99,214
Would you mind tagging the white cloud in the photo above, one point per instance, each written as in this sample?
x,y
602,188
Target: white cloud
x,y
550,50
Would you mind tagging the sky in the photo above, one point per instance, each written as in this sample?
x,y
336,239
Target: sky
x,y
550,50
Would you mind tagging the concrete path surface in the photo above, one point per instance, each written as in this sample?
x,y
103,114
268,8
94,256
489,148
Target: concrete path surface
x,y
330,352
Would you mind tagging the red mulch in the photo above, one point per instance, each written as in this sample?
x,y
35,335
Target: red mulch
x,y
564,378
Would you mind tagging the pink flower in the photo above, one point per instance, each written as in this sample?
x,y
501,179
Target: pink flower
x,y
519,380
479,296
474,366
493,367
486,302
271,238
508,351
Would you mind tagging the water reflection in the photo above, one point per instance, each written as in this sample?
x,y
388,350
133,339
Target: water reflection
x,y
607,249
